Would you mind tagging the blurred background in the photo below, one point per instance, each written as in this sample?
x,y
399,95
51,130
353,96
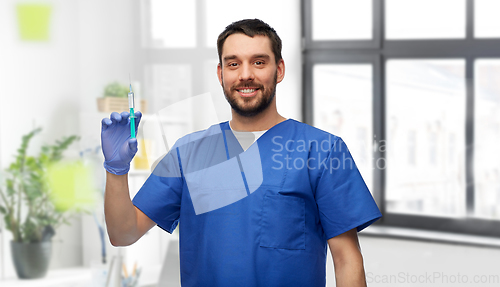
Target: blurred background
x,y
411,86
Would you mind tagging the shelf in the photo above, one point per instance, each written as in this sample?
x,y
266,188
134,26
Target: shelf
x,y
139,172
76,277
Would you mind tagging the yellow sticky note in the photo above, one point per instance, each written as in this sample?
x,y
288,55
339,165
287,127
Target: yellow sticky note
x,y
34,20
71,185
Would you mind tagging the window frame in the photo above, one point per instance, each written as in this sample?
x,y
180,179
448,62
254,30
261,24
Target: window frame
x,y
377,52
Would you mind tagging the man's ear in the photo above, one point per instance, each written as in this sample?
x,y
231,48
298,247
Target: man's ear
x,y
280,72
219,73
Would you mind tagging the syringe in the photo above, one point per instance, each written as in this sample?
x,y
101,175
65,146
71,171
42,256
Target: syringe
x,y
132,113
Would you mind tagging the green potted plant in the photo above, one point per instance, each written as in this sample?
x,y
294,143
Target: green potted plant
x,y
115,99
28,209
116,90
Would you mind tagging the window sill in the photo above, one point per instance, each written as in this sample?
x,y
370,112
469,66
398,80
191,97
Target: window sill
x,y
433,236
55,278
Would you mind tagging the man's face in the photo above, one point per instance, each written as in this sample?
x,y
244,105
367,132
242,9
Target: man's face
x,y
249,73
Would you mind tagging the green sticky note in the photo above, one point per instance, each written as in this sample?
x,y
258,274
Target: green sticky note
x,y
34,20
71,185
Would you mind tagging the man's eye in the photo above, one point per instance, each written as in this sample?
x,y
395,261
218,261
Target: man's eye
x,y
233,65
259,63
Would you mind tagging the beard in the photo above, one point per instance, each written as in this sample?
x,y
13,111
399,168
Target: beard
x,y
252,106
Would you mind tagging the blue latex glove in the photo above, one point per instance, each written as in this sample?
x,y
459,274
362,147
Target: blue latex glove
x,y
117,146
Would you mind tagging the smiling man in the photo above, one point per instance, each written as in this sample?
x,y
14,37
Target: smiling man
x,y
248,73
248,218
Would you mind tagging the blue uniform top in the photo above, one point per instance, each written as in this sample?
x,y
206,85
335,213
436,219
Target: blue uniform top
x,y
260,217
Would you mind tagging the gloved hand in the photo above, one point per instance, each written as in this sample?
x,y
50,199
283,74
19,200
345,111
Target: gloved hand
x,y
117,146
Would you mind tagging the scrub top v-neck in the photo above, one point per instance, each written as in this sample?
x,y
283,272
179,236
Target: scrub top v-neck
x,y
259,217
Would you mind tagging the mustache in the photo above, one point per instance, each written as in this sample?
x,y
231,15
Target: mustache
x,y
247,85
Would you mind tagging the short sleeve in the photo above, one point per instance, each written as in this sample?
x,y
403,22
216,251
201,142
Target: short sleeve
x,y
160,196
343,199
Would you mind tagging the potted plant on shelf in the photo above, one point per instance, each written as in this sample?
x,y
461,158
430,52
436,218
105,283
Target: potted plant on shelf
x,y
28,209
115,99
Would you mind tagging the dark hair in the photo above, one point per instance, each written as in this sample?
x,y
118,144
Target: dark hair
x,y
251,27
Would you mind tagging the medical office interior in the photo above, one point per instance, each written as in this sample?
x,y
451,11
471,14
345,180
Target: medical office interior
x,y
411,86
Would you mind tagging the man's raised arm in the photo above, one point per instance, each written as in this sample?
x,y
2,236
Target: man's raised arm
x,y
125,223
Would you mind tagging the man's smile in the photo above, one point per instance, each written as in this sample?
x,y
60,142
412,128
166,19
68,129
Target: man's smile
x,y
247,92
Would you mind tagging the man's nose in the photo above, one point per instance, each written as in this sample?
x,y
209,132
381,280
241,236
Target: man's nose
x,y
246,73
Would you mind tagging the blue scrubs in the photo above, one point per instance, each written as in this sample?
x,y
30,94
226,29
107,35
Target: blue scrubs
x,y
260,217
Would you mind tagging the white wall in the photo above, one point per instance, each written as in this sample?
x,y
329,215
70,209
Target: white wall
x,y
40,88
40,84
50,84
393,262
106,55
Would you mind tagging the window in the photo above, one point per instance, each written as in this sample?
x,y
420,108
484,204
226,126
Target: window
x,y
342,20
487,23
427,99
346,109
487,137
431,109
165,31
423,19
